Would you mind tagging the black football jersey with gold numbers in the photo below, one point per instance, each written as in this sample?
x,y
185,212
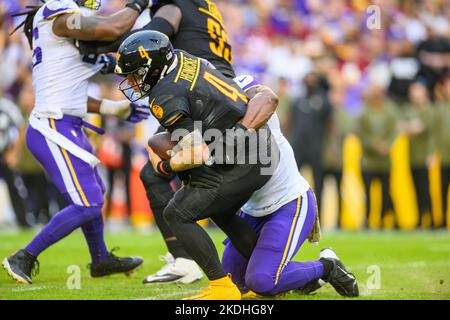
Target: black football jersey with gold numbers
x,y
202,34
197,91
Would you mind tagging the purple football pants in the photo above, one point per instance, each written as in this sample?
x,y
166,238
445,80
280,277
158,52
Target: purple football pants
x,y
270,270
78,182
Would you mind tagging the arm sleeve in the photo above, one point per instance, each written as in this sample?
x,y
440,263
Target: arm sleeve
x,y
161,25
157,24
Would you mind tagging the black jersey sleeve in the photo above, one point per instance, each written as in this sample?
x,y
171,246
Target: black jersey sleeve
x,y
169,108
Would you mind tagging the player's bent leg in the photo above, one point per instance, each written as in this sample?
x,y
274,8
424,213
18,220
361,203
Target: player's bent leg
x,y
179,267
235,265
270,271
78,182
195,239
159,192
20,264
197,243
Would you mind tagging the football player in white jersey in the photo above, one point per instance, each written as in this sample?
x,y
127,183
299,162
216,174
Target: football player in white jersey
x,y
284,214
55,135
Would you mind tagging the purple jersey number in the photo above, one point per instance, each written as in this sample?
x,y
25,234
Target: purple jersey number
x,y
37,52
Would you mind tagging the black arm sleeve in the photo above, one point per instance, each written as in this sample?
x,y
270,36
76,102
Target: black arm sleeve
x,y
161,25
97,47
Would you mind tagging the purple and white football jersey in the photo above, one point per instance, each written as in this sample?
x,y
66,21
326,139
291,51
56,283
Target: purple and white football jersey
x,y
60,72
286,183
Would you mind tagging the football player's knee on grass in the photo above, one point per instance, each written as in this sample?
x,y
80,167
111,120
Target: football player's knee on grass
x,y
261,283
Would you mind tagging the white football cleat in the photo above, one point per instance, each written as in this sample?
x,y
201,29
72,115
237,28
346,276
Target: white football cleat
x,y
179,270
328,253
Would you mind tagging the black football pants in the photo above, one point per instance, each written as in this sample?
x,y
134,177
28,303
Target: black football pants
x,y
159,192
231,189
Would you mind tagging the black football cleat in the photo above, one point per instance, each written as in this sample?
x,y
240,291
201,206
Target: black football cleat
x,y
21,266
342,281
311,287
114,264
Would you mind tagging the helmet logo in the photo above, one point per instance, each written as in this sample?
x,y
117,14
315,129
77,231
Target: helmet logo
x,y
143,52
92,4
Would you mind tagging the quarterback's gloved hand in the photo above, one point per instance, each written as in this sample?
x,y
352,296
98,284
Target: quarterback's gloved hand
x,y
139,5
205,177
125,110
138,113
109,63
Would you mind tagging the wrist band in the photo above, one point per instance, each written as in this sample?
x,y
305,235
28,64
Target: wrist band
x,y
135,6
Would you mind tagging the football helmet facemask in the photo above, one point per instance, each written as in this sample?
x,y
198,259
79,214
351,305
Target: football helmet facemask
x,y
144,59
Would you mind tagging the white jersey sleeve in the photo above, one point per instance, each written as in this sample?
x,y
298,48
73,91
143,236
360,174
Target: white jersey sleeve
x,y
286,184
60,72
54,8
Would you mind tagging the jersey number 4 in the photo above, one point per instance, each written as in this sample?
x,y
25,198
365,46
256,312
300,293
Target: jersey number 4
x,y
226,89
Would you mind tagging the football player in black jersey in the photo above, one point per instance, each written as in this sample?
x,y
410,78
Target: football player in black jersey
x,y
194,26
183,90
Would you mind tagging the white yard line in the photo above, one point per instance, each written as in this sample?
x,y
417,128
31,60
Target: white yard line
x,y
29,288
168,295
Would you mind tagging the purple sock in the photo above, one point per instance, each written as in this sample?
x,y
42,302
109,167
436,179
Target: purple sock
x,y
93,232
296,274
61,225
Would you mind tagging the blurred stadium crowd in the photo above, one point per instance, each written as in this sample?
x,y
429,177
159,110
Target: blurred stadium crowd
x,y
353,77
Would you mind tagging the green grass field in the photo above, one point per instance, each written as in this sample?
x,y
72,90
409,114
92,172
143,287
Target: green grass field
x,y
411,266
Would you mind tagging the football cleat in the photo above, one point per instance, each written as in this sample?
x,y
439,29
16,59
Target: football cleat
x,y
114,264
179,270
21,266
250,295
342,281
316,284
311,286
220,289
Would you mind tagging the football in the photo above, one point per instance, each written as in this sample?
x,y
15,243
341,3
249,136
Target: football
x,y
161,143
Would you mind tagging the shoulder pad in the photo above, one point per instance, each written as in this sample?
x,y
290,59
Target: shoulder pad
x,y
54,8
245,82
